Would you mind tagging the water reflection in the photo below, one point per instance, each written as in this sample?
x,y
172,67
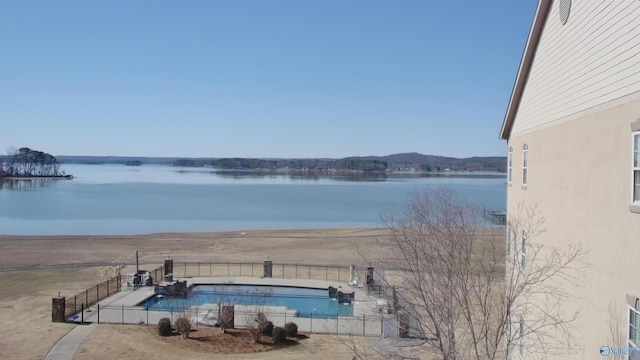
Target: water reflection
x,y
332,176
301,175
25,185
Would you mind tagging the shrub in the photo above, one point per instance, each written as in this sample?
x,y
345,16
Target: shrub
x,y
183,326
291,329
164,327
267,328
279,336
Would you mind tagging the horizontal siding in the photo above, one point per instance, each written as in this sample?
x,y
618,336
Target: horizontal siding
x,y
591,60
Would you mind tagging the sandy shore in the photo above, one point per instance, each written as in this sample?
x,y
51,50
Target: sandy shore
x,y
25,295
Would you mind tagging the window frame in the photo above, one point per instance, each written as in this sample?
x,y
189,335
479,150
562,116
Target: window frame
x,y
634,205
635,167
525,166
634,327
509,239
510,166
523,251
521,339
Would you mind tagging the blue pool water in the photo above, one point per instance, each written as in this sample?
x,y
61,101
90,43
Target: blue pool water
x,y
308,302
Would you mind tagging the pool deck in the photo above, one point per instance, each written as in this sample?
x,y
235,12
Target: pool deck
x,y
303,283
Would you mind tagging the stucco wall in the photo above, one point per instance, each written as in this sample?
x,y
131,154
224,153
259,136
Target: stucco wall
x,y
579,176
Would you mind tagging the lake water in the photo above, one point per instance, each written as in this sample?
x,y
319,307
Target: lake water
x,y
118,199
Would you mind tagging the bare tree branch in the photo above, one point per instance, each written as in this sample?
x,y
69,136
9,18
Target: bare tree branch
x,y
467,292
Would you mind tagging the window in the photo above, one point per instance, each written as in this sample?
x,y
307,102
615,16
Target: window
x,y
523,264
510,166
509,239
525,160
521,338
634,327
636,167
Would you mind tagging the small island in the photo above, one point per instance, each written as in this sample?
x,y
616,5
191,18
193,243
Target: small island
x,y
133,163
28,164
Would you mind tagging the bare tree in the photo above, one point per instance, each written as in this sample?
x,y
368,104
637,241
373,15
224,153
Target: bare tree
x,y
617,333
258,324
469,297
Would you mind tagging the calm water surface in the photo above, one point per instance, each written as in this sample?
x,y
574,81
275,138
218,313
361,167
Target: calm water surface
x,y
118,199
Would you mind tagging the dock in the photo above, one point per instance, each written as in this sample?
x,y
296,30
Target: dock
x,y
497,217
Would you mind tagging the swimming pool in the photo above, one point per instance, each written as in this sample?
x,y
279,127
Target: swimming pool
x,y
308,302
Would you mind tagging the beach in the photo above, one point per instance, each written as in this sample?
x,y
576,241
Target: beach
x,y
34,269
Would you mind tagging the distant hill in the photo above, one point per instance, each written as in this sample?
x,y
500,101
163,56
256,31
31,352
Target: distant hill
x,y
395,162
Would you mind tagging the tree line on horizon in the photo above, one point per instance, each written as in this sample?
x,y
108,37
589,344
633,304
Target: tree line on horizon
x,y
395,162
29,163
350,164
364,164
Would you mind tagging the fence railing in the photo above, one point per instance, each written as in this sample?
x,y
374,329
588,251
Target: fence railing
x,y
89,297
283,271
84,299
363,325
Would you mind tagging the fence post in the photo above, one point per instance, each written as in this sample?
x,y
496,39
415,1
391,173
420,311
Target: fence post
x,y
283,271
227,269
252,269
337,327
210,275
185,269
86,296
240,269
147,316
98,292
98,313
311,323
198,269
107,287
122,314
309,272
339,274
296,271
82,314
326,272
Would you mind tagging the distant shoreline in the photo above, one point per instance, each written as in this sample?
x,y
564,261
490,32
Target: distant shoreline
x,y
25,178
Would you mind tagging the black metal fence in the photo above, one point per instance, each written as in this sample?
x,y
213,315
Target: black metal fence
x,y
283,271
362,325
77,303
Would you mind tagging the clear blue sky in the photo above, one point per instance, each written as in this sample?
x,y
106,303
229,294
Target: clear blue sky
x,y
261,78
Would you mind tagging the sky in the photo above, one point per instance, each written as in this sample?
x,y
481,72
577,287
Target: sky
x,y
259,78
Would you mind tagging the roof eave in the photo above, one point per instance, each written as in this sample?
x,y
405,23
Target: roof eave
x,y
525,66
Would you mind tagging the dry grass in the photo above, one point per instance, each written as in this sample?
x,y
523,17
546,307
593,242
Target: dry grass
x,y
25,296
